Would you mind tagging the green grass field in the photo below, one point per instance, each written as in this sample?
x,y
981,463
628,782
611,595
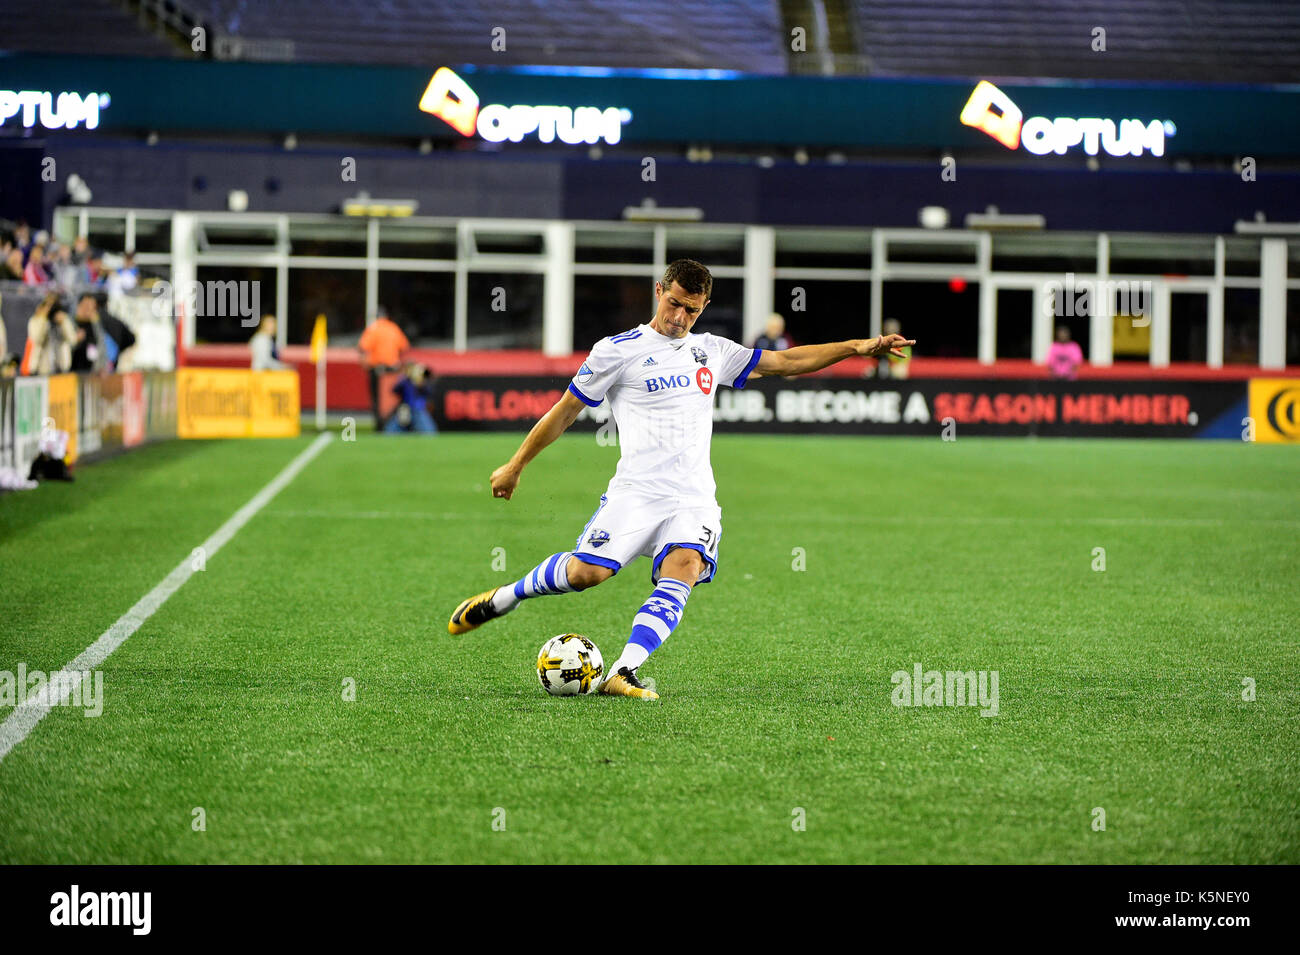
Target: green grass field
x,y
1119,689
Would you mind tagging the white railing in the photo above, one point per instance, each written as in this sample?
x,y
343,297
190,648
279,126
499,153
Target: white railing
x,y
195,243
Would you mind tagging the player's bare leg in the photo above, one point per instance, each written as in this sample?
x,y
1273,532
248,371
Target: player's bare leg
x,y
558,574
680,569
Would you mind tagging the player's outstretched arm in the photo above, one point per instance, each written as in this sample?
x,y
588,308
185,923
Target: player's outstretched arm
x,y
803,359
551,425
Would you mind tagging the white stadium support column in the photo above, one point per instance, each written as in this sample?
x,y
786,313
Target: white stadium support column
x,y
1214,309
1158,315
557,295
988,303
988,321
1272,303
460,322
1101,338
372,269
878,255
1042,330
184,271
282,281
760,261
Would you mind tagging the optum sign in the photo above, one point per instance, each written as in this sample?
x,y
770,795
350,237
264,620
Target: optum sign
x,y
52,110
454,101
992,111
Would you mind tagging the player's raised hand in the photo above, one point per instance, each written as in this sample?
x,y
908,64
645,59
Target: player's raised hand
x,y
504,481
885,345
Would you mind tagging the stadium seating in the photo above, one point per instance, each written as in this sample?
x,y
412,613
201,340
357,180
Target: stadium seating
x,y
80,27
721,34
1170,40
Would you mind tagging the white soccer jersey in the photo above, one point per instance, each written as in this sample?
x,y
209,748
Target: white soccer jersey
x,y
661,392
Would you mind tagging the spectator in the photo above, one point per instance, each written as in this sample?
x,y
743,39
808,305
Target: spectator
x,y
35,273
91,270
13,265
49,339
383,347
80,250
415,394
62,269
888,367
1064,356
100,339
265,353
117,339
88,352
125,278
774,337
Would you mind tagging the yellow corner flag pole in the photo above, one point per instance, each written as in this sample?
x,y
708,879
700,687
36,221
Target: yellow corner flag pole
x,y
319,341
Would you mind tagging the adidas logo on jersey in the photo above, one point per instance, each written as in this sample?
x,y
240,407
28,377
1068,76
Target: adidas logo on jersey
x,y
649,361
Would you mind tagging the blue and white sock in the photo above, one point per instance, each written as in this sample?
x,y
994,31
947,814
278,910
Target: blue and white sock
x,y
551,576
656,619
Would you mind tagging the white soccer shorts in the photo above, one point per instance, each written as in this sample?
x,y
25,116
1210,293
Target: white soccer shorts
x,y
628,525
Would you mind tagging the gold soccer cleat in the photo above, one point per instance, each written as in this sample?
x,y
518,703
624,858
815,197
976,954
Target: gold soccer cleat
x,y
625,683
473,613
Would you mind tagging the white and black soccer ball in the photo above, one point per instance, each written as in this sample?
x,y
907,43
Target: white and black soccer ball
x,y
569,665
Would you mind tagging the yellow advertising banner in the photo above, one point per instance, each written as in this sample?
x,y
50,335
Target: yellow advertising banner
x,y
1274,408
274,404
1131,335
235,403
63,392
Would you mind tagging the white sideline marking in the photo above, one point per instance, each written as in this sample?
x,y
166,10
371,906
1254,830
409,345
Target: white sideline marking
x,y
27,714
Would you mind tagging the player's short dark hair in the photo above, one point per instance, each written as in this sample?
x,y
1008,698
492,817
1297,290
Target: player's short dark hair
x,y
690,275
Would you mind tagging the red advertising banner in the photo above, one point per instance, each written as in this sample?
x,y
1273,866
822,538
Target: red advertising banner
x,y
133,409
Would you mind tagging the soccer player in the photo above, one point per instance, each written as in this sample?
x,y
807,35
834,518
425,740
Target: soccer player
x,y
660,380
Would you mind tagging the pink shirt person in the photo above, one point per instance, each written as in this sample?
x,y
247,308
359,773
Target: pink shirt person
x,y
1064,356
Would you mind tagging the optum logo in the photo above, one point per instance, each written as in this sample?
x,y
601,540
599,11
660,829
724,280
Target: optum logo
x,y
992,111
454,101
51,110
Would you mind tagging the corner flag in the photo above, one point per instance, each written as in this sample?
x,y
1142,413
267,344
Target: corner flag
x,y
319,339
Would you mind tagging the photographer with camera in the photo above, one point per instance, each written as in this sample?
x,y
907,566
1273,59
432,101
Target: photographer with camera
x,y
50,338
101,339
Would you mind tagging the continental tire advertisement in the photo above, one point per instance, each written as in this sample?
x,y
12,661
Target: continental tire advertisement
x,y
232,403
1012,407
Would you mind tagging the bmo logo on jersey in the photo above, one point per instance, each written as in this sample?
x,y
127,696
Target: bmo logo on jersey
x,y
703,378
665,383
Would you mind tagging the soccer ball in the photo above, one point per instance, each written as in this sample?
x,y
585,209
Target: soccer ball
x,y
569,664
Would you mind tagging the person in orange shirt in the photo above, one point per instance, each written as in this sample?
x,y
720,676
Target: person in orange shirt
x,y
383,348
